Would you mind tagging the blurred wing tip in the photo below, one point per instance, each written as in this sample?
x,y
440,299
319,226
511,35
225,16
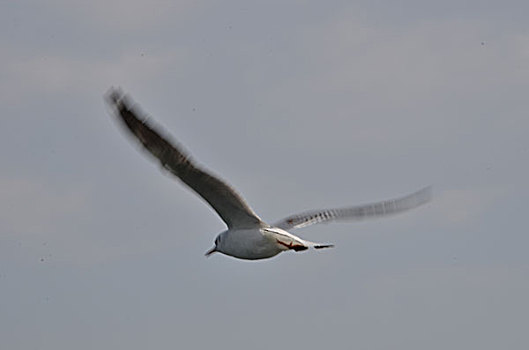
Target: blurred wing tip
x,y
114,95
117,98
425,194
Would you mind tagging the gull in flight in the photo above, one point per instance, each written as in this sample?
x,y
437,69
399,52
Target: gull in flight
x,y
247,236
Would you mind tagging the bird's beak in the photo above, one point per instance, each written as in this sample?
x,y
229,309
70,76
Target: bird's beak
x,y
211,251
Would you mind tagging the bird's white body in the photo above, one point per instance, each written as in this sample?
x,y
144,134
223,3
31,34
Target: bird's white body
x,y
258,243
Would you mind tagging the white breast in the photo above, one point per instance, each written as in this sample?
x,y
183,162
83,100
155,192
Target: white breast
x,y
252,244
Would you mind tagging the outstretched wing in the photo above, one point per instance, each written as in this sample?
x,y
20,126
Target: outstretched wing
x,y
224,199
360,212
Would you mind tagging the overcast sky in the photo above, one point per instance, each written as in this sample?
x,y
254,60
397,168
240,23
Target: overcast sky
x,y
299,105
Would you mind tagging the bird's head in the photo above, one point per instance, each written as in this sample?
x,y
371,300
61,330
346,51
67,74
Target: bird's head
x,y
218,244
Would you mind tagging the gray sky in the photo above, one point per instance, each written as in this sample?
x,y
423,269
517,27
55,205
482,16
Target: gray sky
x,y
299,105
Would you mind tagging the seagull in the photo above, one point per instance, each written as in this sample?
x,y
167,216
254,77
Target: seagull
x,y
247,235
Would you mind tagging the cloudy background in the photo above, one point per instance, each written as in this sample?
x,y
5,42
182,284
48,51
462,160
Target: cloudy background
x,y
299,105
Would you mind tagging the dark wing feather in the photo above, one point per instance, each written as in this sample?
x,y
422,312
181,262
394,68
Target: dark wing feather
x,y
224,199
360,212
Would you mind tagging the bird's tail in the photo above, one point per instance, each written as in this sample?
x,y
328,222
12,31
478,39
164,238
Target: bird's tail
x,y
326,245
318,245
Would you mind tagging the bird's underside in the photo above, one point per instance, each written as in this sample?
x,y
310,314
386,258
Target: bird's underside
x,y
231,207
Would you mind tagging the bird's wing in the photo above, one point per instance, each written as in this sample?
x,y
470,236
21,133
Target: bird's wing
x,y
360,212
224,199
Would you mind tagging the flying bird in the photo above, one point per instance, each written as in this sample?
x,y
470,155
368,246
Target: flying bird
x,y
247,235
